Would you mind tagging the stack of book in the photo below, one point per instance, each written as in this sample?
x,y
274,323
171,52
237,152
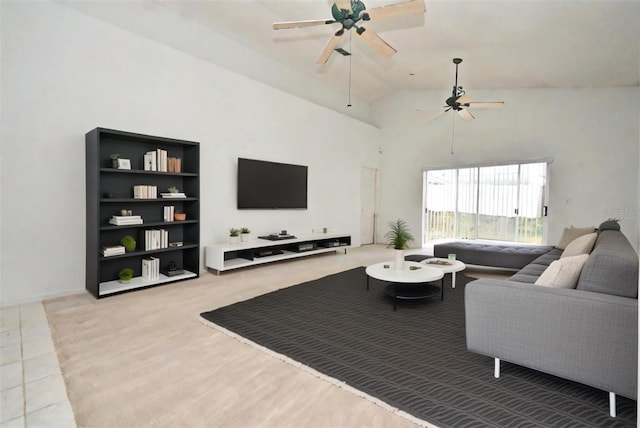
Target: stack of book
x,y
150,268
155,239
143,191
173,195
125,220
112,250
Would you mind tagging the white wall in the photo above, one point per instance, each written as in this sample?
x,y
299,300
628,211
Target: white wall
x,y
64,73
591,134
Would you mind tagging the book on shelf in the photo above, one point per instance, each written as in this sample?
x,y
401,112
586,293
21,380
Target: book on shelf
x,y
155,239
150,268
112,250
169,211
162,160
143,191
150,161
174,164
175,195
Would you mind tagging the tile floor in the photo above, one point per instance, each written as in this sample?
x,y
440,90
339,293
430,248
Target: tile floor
x,y
32,388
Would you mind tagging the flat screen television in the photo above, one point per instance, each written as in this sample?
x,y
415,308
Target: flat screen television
x,y
271,185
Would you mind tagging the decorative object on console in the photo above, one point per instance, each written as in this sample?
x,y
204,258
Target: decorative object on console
x,y
179,216
125,275
128,243
398,237
348,14
245,234
234,235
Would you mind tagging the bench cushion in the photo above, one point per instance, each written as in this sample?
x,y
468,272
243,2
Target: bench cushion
x,y
495,255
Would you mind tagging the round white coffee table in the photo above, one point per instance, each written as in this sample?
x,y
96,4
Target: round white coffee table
x,y
446,266
412,282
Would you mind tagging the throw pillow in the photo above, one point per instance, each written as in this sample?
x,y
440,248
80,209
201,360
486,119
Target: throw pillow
x,y
571,233
581,245
563,273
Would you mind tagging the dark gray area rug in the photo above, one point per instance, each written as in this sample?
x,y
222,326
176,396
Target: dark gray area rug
x,y
414,359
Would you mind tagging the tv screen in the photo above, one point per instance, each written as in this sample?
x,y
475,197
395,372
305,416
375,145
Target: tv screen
x,y
271,185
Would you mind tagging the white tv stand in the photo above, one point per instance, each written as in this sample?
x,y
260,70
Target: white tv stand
x,y
221,257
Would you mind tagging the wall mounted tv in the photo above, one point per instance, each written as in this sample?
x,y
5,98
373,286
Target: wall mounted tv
x,y
271,185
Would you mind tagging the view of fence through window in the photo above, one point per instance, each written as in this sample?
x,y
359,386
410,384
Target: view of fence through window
x,y
502,202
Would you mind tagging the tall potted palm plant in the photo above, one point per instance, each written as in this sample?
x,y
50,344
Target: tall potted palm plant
x,y
398,237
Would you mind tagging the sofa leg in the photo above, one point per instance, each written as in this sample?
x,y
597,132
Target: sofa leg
x,y
612,404
496,368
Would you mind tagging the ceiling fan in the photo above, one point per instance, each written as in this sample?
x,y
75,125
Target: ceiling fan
x,y
348,13
461,102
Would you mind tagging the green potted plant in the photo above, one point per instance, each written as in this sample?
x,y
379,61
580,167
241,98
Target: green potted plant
x,y
245,234
114,159
398,237
128,243
234,235
125,275
173,189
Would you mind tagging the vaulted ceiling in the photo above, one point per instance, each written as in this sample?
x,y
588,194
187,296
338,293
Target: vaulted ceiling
x,y
505,44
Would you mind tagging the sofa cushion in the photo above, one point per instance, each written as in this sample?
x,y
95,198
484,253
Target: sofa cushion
x,y
581,245
563,273
571,233
612,267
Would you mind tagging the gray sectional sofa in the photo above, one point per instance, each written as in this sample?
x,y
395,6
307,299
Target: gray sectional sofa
x,y
588,334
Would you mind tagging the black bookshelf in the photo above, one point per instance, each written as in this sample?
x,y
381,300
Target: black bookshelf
x,y
110,190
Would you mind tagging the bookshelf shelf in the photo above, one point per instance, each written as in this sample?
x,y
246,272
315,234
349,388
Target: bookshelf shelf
x,y
110,190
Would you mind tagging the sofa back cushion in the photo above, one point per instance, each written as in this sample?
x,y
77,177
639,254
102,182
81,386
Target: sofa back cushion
x,y
612,267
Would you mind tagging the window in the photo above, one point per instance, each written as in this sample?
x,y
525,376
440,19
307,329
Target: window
x,y
495,202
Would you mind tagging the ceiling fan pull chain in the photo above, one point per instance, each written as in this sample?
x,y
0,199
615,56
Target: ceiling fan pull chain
x,y
453,121
350,50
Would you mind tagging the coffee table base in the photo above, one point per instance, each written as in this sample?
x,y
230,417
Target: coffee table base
x,y
413,291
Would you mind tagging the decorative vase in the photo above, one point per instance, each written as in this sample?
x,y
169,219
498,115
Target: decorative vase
x,y
234,239
244,237
398,263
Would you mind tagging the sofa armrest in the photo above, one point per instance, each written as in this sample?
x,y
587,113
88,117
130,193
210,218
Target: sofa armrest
x,y
587,337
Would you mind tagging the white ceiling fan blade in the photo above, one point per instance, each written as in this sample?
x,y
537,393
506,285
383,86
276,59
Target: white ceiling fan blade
x,y
484,104
329,47
377,44
463,99
438,115
465,114
410,7
299,24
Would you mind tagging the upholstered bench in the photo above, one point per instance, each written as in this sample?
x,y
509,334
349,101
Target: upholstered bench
x,y
494,255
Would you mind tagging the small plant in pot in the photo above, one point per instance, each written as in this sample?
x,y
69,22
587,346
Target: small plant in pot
x,y
125,275
173,189
114,160
128,243
245,234
398,237
234,235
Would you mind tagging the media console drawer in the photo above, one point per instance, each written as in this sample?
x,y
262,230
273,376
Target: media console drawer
x,y
223,257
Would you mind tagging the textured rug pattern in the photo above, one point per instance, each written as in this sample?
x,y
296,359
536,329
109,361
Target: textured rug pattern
x,y
414,359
